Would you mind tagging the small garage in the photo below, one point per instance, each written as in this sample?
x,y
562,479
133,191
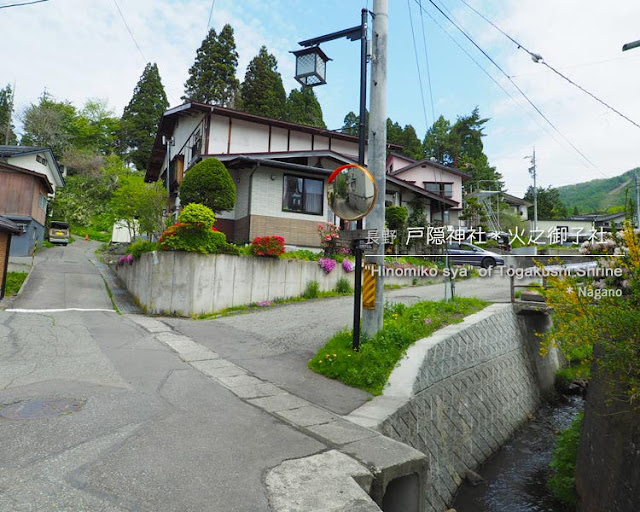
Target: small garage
x,y
7,228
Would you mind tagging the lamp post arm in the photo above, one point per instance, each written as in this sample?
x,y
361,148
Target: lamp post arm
x,y
352,33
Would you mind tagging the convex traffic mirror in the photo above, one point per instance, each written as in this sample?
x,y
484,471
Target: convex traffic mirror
x,y
351,192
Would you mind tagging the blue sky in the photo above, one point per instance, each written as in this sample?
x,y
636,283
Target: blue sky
x,y
80,49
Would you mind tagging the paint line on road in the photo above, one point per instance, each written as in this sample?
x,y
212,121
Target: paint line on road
x,y
18,310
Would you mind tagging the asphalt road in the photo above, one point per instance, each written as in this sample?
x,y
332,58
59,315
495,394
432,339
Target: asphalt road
x,y
151,432
277,342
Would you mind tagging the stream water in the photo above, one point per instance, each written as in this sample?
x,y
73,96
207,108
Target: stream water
x,y
516,475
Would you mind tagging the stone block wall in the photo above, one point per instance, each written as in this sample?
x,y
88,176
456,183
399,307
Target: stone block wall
x,y
459,395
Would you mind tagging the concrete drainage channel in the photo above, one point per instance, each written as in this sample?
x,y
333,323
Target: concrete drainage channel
x,y
362,470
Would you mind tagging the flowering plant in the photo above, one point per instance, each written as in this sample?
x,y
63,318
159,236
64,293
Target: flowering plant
x,y
128,258
328,235
327,264
347,265
267,246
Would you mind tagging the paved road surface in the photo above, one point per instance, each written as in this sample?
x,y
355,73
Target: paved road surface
x,y
276,343
153,434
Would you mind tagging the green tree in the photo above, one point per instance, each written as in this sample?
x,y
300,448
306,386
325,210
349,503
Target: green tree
x,y
96,128
437,143
141,116
139,204
49,124
303,107
262,92
351,123
550,206
7,135
212,78
475,213
209,183
460,145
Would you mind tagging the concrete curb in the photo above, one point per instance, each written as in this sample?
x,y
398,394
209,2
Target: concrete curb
x,y
384,459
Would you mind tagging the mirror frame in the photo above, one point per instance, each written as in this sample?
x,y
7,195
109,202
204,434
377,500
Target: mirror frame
x,y
335,174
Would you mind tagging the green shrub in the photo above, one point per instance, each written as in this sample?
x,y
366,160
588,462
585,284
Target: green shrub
x,y
14,282
195,213
563,463
302,254
137,249
396,216
343,286
183,236
209,183
312,290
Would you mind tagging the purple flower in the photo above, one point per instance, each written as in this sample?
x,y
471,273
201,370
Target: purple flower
x,y
129,259
264,303
327,264
347,265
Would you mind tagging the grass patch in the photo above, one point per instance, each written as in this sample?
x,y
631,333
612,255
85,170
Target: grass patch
x,y
14,282
94,234
578,366
563,463
369,369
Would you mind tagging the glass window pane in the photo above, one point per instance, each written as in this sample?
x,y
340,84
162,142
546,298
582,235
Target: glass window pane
x,y
313,196
292,194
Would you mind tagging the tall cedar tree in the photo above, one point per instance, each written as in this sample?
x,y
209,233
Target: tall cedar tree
x,y
262,92
212,78
7,135
141,117
405,137
460,145
303,107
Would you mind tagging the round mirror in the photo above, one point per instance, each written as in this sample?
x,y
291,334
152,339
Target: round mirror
x,y
351,192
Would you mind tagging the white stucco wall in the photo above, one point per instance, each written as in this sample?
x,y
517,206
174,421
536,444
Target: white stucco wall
x,y
185,128
266,198
427,173
278,139
218,135
248,137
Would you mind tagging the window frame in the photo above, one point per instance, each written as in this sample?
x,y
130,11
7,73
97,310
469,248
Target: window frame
x,y
304,179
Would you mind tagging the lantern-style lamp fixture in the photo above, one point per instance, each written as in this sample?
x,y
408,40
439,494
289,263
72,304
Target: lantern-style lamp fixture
x,y
311,66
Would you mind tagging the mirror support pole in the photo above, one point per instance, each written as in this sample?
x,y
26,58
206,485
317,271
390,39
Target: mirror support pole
x,y
357,287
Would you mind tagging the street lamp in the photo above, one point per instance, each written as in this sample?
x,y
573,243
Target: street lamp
x,y
311,71
311,66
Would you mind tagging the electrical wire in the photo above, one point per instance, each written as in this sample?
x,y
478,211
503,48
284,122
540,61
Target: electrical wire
x,y
498,84
22,3
130,32
426,56
533,105
538,59
415,51
213,2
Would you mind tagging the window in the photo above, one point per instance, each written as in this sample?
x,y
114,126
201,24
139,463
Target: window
x,y
442,189
42,202
41,160
303,195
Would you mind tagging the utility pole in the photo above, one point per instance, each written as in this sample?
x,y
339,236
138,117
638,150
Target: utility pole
x,y
532,171
372,318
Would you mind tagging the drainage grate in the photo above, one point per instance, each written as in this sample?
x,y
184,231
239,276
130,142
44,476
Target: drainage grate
x,y
41,408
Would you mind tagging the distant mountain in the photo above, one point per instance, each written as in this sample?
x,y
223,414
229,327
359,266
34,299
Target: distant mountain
x,y
599,195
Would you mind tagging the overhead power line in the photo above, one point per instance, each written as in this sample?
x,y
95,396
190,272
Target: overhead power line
x,y
538,59
130,32
22,3
426,57
415,51
524,95
213,2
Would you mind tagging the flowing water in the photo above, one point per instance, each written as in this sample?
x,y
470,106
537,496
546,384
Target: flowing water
x,y
516,475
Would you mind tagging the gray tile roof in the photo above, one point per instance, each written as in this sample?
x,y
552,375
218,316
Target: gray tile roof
x,y
7,225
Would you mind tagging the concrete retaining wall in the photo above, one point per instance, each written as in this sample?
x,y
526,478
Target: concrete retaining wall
x,y
461,393
184,283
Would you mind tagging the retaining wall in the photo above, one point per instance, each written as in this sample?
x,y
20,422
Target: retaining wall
x,y
458,395
184,283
